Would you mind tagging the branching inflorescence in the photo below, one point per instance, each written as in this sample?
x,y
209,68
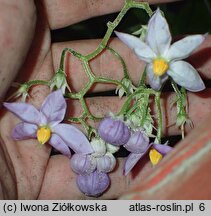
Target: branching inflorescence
x,y
134,125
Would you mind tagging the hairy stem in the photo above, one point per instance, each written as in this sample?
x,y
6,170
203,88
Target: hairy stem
x,y
159,117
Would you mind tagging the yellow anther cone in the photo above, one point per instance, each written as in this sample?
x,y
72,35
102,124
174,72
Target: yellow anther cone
x,y
160,66
43,135
155,156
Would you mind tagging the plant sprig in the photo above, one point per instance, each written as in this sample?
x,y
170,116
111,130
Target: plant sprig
x,y
132,93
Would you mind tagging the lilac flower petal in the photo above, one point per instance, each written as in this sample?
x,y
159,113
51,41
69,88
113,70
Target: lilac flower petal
x,y
158,35
183,48
137,143
54,107
83,164
133,158
131,161
142,50
185,75
93,184
26,112
154,81
24,130
74,138
56,142
162,149
106,163
114,131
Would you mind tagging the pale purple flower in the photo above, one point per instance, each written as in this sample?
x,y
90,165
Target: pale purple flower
x,y
138,142
139,145
114,131
164,60
83,164
45,125
106,163
93,184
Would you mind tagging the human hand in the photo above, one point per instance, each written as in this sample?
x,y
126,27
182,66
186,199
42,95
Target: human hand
x,y
28,169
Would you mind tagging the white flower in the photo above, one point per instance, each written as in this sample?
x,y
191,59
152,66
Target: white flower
x,y
163,59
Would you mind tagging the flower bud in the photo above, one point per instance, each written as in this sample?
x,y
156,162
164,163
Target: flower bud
x,y
93,184
137,143
83,164
112,148
114,131
98,146
106,163
59,81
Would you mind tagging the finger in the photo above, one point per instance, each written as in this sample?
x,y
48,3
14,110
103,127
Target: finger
x,y
27,159
61,14
7,183
199,109
15,38
60,181
106,64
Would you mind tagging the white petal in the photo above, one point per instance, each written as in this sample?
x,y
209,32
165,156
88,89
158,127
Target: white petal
x,y
185,75
155,81
158,35
142,50
183,48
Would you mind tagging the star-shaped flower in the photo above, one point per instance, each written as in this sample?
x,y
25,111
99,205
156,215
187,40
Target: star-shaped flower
x,y
138,145
45,125
163,59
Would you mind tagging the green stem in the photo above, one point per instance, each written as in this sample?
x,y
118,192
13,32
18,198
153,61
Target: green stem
x,y
143,78
86,110
125,71
75,53
88,70
174,85
159,117
37,82
115,23
85,59
182,107
111,81
144,109
180,94
129,99
61,65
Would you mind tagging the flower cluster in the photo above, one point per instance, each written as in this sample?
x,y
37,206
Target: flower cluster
x,y
117,133
91,161
133,126
92,168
